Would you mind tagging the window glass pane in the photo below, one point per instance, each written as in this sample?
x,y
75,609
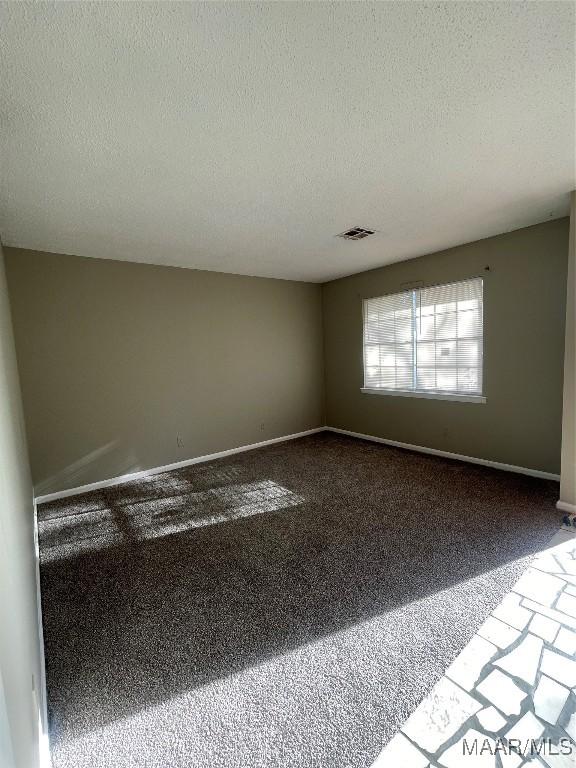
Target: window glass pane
x,y
403,329
469,352
404,378
372,376
425,326
447,307
372,355
446,353
426,378
383,329
388,341
469,380
446,379
426,353
457,333
442,324
387,377
371,335
467,304
446,325
404,353
388,354
469,323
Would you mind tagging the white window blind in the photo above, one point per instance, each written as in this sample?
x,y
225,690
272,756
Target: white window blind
x,y
425,340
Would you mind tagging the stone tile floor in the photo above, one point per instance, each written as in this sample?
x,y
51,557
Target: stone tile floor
x,y
509,699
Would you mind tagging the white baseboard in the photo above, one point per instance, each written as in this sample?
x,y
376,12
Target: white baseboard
x,y
563,506
448,455
44,744
121,479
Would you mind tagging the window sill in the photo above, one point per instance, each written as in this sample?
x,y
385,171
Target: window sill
x,y
460,398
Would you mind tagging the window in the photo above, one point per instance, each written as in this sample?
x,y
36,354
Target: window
x,y
426,342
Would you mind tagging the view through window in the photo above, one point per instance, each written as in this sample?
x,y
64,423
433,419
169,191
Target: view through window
x,y
425,340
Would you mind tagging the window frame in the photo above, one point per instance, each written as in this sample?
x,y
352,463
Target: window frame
x,y
424,394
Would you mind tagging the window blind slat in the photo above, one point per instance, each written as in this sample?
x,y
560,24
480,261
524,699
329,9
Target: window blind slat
x,y
428,339
388,341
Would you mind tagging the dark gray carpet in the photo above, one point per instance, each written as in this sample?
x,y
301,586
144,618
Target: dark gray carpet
x,y
288,606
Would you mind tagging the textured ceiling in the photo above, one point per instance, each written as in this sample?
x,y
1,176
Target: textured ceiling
x,y
242,137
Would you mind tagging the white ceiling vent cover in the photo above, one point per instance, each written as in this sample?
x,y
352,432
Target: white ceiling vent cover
x,y
356,233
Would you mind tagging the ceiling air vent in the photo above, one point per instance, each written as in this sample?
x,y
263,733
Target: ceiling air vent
x,y
356,233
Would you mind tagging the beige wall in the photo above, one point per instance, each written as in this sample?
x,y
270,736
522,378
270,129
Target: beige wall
x,y
568,476
19,641
524,315
120,362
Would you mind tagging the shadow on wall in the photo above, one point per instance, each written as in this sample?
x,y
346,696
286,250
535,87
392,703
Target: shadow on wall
x,y
111,458
164,585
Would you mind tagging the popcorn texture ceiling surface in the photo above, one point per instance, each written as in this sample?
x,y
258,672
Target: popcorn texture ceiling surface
x,y
243,137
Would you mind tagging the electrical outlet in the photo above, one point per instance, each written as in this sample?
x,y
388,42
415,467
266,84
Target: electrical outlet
x,y
262,427
179,441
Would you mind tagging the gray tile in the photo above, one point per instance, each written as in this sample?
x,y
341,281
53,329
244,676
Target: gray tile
x,y
568,562
566,641
559,667
399,751
467,667
570,728
440,715
458,755
545,628
547,562
523,661
563,618
527,728
509,760
491,720
511,612
567,604
498,632
559,761
549,699
532,763
569,578
539,586
503,692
